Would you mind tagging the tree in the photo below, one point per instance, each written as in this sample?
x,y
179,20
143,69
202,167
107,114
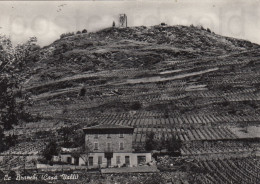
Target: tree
x,y
79,139
50,150
10,140
8,106
174,144
113,24
65,131
13,175
163,142
84,31
84,151
78,32
2,174
2,145
13,60
151,143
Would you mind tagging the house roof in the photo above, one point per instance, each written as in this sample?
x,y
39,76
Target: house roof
x,y
107,126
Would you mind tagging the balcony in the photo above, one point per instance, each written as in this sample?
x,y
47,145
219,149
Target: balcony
x,y
108,152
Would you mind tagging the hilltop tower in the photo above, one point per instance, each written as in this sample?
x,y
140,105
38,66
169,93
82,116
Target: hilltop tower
x,y
122,20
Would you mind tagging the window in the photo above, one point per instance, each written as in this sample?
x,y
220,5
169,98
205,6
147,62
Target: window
x,y
118,160
141,159
121,146
108,135
95,136
99,159
96,146
90,161
121,135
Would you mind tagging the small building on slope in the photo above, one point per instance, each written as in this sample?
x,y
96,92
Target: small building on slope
x,y
109,146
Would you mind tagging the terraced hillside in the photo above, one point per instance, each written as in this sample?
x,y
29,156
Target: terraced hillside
x,y
174,80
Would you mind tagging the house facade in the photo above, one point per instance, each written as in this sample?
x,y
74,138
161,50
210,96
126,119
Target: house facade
x,y
109,146
112,145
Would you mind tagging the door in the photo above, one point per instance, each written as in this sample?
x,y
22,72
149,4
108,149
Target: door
x,y
76,160
90,161
127,160
108,162
69,160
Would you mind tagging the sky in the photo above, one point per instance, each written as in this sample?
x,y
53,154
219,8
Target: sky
x,y
47,20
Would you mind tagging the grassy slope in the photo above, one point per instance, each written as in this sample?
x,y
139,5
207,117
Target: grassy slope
x,y
103,61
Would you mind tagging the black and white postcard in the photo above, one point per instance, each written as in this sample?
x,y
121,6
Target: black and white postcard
x,y
130,91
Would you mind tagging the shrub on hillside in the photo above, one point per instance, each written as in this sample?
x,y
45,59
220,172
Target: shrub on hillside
x,y
67,34
163,24
136,106
84,31
82,91
173,144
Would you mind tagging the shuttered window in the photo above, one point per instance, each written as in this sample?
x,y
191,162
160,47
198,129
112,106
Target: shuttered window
x,y
121,147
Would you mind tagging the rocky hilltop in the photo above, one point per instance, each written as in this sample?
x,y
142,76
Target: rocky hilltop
x,y
134,47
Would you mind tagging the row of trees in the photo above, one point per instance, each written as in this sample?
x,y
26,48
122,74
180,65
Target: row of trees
x,y
171,144
64,35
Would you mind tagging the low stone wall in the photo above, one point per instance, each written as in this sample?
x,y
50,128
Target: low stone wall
x,y
46,167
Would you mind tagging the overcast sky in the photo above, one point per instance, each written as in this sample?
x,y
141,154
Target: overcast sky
x,y
47,20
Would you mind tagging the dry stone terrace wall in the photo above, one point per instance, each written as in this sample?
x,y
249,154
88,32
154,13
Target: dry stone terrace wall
x,y
236,170
154,120
28,148
153,99
218,148
184,134
30,129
